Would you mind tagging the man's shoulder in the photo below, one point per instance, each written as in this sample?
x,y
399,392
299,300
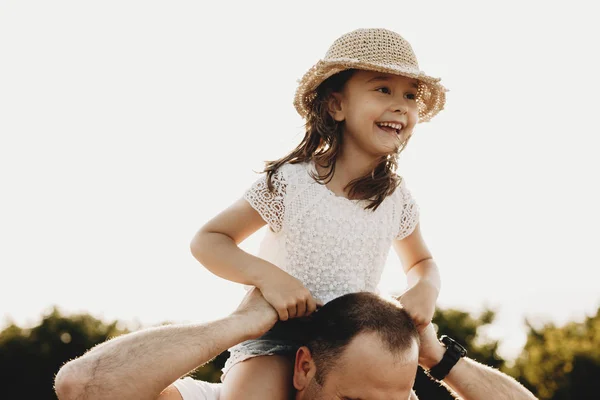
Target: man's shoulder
x,y
192,389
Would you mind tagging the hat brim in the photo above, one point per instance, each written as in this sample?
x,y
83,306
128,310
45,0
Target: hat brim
x,y
430,102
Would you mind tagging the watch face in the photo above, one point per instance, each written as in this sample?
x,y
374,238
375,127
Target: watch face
x,y
453,346
461,350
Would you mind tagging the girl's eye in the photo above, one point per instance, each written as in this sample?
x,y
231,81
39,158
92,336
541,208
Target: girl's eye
x,y
386,90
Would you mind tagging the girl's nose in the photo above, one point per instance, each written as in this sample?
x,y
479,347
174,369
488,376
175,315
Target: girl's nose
x,y
400,110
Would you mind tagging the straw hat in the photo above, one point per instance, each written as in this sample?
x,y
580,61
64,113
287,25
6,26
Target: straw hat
x,y
373,50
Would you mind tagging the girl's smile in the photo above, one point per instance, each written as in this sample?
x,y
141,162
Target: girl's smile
x,y
379,112
391,128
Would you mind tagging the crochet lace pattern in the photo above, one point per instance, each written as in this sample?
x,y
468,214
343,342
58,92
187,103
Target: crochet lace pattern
x,y
330,243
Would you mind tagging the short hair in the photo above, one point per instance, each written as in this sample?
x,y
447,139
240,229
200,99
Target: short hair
x,y
334,326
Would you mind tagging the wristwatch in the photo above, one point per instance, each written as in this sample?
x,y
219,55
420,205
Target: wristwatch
x,y
454,352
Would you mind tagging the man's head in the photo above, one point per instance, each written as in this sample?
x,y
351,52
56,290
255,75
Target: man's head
x,y
360,347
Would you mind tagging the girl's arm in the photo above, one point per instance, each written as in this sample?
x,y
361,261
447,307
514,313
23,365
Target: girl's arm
x,y
417,261
216,247
422,275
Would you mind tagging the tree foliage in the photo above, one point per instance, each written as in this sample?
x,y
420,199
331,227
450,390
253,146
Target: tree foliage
x,y
30,358
562,363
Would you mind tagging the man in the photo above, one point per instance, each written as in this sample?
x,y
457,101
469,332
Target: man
x,y
351,354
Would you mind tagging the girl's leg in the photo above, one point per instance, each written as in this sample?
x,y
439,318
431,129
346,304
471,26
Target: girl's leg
x,y
259,378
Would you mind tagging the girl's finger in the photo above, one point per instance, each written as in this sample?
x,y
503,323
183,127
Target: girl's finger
x,y
301,309
283,314
292,311
311,306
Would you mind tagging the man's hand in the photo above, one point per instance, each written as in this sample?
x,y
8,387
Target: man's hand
x,y
255,314
431,350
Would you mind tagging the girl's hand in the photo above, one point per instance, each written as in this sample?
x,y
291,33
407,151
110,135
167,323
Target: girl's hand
x,y
288,296
419,302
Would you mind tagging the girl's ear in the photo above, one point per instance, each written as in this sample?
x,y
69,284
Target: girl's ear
x,y
334,107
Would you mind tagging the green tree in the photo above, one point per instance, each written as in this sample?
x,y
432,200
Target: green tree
x,y
30,358
562,363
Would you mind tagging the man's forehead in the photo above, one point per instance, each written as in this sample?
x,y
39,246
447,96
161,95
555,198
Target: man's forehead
x,y
367,369
367,344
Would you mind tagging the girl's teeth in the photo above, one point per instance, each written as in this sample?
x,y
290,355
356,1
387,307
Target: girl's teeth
x,y
388,128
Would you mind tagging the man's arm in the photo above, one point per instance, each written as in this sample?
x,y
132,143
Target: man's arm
x,y
473,381
470,379
140,365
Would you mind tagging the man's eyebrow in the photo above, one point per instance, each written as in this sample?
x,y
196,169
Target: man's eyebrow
x,y
387,78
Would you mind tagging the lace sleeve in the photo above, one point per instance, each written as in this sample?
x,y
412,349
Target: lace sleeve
x,y
409,211
270,205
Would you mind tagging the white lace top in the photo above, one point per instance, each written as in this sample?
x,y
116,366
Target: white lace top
x,y
330,243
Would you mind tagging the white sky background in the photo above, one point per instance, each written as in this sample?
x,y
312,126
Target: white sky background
x,y
125,125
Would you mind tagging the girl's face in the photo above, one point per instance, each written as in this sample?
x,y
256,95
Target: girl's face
x,y
368,101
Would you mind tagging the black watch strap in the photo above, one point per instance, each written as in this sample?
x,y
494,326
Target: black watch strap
x,y
454,352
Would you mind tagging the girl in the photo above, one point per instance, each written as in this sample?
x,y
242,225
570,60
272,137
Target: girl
x,y
334,205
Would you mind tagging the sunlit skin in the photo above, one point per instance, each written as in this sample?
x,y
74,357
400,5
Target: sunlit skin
x,y
366,370
366,99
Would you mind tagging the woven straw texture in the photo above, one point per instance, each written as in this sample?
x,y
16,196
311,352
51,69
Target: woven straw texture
x,y
373,50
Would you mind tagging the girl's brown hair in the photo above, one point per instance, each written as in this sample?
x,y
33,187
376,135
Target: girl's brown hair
x,y
322,143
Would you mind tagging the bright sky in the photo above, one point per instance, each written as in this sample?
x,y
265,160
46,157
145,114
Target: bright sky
x,y
125,125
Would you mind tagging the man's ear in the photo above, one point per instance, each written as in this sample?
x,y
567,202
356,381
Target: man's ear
x,y
334,107
304,368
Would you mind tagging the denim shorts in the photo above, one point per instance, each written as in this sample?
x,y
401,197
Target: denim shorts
x,y
283,339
